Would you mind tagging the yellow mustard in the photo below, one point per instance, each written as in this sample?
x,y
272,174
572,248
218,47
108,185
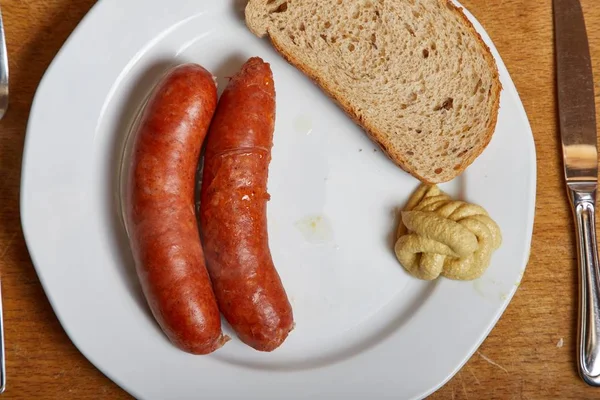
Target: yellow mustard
x,y
440,236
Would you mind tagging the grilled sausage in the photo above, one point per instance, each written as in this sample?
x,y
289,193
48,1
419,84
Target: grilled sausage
x,y
233,210
159,209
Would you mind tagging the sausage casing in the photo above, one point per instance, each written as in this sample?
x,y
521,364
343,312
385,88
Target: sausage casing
x,y
159,208
233,210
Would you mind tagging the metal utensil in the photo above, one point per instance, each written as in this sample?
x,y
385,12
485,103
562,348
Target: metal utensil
x,y
577,116
3,104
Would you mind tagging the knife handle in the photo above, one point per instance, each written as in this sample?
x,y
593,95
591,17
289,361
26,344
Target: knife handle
x,y
583,202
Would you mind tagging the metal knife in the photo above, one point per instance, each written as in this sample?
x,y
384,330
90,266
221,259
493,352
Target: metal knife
x,y
577,116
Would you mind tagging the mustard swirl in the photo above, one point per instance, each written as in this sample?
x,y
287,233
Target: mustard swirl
x,y
441,236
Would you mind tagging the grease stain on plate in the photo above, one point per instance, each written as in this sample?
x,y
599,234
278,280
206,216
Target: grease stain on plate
x,y
479,287
316,229
489,289
303,124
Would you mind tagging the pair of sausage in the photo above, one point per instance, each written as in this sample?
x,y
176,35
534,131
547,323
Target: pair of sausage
x,y
185,293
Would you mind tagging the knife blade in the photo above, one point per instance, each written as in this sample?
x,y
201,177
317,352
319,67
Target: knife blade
x,y
577,120
575,84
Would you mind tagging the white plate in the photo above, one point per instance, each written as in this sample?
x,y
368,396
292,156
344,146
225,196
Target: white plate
x,y
364,327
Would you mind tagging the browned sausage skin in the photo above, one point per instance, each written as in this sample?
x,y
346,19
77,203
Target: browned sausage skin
x,y
159,209
233,210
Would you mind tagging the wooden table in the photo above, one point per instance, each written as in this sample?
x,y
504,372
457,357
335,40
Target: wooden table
x,y
528,355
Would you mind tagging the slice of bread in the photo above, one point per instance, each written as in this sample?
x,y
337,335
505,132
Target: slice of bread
x,y
413,73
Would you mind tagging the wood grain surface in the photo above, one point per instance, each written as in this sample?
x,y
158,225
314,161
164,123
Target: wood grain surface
x,y
528,355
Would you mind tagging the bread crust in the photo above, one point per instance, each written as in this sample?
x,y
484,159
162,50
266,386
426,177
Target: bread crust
x,y
377,135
